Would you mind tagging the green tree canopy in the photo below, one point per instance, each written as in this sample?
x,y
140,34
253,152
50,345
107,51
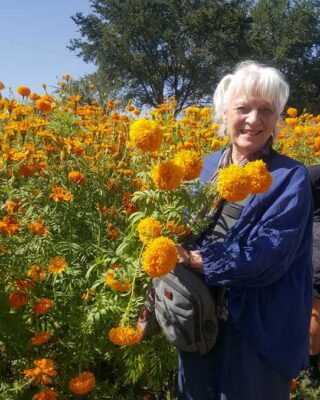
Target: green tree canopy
x,y
159,48
164,47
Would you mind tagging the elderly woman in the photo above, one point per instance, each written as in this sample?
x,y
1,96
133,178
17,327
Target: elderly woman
x,y
262,268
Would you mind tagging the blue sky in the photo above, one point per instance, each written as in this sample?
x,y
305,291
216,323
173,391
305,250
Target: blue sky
x,y
34,35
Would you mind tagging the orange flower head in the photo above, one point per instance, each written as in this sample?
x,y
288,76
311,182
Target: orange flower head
x,y
36,273
27,170
190,163
43,105
57,264
42,306
17,299
34,96
59,194
24,91
40,338
2,86
67,77
77,177
160,256
44,369
180,230
82,383
146,135
167,175
38,228
125,336
23,285
148,228
3,249
12,206
115,284
260,177
48,394
292,112
9,226
233,183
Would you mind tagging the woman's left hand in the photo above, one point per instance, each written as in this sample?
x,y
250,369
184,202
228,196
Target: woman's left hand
x,y
191,259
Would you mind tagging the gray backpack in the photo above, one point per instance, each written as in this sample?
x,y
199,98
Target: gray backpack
x,y
185,310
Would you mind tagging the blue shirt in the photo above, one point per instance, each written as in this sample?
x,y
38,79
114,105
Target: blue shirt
x,y
266,261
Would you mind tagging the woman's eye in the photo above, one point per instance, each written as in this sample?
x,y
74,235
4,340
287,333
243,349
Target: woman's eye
x,y
266,111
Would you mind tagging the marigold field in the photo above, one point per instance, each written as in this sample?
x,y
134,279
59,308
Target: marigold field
x,y
93,199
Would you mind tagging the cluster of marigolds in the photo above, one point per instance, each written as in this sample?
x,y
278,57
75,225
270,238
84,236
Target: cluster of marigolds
x,y
78,175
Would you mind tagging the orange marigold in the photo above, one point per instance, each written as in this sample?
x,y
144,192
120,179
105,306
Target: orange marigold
x,y
12,206
59,194
43,105
44,369
148,228
190,163
9,226
292,112
24,91
115,284
233,183
40,338
82,383
167,175
38,228
57,264
2,86
17,299
42,306
178,229
34,96
260,177
146,135
36,273
48,394
77,177
125,336
160,256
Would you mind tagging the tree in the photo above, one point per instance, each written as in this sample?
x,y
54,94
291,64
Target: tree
x,y
161,48
287,34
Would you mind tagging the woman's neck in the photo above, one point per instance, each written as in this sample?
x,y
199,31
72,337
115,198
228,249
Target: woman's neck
x,y
237,157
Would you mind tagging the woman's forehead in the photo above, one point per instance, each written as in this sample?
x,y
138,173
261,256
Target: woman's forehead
x,y
242,96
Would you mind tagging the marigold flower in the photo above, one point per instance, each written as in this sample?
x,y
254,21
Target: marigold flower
x,y
113,232
125,336
2,86
260,177
82,383
40,338
178,229
59,194
38,228
146,135
48,394
115,284
24,91
12,206
167,175
44,369
292,112
190,163
67,77
3,249
23,285
159,257
9,226
42,306
57,264
36,273
233,183
148,228
77,177
17,299
88,295
26,170
43,105
34,96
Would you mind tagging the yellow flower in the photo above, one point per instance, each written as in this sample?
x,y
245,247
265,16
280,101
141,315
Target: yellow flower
x,y
57,264
160,256
167,175
125,336
82,383
260,177
233,183
36,273
148,228
190,163
146,135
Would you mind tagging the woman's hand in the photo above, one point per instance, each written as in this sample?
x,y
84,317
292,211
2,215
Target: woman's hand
x,y
191,259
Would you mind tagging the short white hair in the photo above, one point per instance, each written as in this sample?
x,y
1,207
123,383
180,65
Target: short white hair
x,y
250,77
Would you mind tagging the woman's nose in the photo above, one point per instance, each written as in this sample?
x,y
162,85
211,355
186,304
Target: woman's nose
x,y
253,117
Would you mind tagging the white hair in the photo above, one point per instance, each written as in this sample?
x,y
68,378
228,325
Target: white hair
x,y
248,78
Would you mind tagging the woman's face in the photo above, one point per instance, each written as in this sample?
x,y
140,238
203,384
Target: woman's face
x,y
250,122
